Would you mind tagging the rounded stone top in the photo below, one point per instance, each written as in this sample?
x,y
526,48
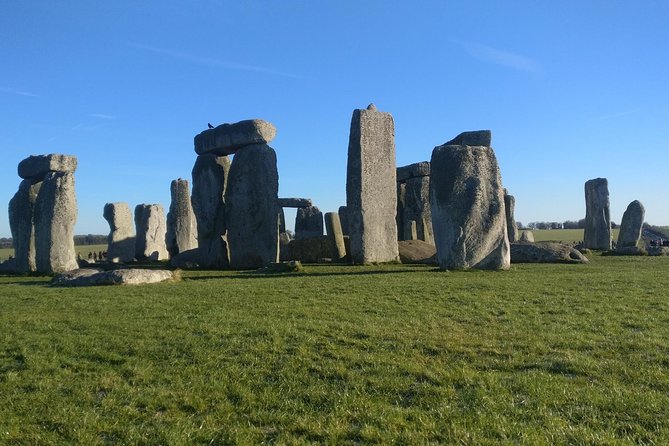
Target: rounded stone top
x,y
371,107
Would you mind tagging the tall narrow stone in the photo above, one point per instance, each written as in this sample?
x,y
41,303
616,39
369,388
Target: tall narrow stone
x,y
151,228
308,222
210,176
371,191
21,222
336,236
55,217
631,225
252,207
343,219
509,207
121,239
181,224
597,231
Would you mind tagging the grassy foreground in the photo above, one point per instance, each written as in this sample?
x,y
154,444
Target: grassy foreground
x,y
541,354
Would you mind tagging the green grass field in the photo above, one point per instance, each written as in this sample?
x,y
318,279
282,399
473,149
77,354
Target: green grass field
x,y
81,249
564,235
540,354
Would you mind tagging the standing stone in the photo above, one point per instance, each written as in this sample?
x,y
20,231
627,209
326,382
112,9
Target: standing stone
x,y
121,239
597,232
467,204
410,232
151,228
510,206
336,236
252,207
21,222
181,224
210,176
55,217
526,237
631,225
308,222
401,203
417,207
371,192
343,219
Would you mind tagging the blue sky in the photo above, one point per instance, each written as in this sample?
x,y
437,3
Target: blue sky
x,y
571,90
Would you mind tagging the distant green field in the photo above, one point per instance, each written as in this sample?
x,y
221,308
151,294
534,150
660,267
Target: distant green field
x,y
82,249
563,235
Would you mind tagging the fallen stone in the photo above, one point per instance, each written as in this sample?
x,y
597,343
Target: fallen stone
x,y
417,251
421,169
597,231
121,239
295,202
627,251
37,166
227,139
187,259
98,276
150,230
545,252
475,138
631,225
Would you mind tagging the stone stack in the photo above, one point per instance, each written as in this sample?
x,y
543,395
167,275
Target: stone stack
x,y
42,215
181,224
467,205
509,207
631,226
414,219
285,237
251,194
371,189
150,228
597,231
121,239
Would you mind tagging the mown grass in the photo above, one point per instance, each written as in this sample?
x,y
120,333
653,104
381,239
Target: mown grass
x,y
540,354
564,235
83,250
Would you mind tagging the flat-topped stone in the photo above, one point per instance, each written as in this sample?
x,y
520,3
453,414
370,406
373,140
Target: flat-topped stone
x,y
226,139
37,166
421,169
475,138
295,202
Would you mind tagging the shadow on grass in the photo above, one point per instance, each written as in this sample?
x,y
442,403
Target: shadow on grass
x,y
257,275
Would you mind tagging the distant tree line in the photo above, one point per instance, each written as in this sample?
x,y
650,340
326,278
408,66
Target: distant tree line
x,y
567,224
79,240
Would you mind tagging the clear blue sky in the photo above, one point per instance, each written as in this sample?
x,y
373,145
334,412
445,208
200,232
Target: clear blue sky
x,y
572,90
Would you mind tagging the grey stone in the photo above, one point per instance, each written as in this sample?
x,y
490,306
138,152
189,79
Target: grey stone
x,y
336,236
181,224
631,225
21,222
308,222
252,208
37,166
467,205
55,217
545,252
417,251
227,139
526,237
475,138
295,202
371,190
421,169
597,231
310,250
150,230
210,176
416,207
186,259
410,232
121,239
282,221
343,219
97,277
509,207
284,241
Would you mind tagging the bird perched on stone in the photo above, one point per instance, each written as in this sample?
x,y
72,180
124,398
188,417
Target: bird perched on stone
x,y
210,126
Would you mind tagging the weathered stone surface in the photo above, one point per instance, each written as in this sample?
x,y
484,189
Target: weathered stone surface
x,y
210,175
421,169
509,207
284,241
371,190
631,225
121,239
526,237
252,208
37,166
417,251
467,205
97,276
475,138
295,202
629,251
181,224
228,138
186,259
597,231
415,206
410,232
343,219
545,252
308,222
150,229
21,222
55,217
336,236
310,250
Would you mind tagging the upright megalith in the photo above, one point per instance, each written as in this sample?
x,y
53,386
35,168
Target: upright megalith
x,y
150,228
121,238
467,205
509,208
227,139
631,225
210,178
343,219
336,236
252,209
308,222
597,231
22,225
371,190
181,224
413,202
